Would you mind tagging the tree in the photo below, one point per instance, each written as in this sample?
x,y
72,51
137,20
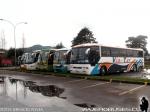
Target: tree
x,y
19,52
137,42
59,46
84,36
11,53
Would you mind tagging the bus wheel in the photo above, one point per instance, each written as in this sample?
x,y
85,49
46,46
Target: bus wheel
x,y
140,69
134,68
103,70
121,71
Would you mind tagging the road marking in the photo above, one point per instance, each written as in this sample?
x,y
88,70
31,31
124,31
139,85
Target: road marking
x,y
53,76
74,81
50,76
47,75
131,90
98,84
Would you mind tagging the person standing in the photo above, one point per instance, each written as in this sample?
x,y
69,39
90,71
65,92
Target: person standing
x,y
144,105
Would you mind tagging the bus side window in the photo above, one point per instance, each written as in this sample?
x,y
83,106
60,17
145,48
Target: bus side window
x,y
129,53
122,52
135,53
105,51
140,53
114,52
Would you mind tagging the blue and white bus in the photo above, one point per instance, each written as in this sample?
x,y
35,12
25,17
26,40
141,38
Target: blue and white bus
x,y
95,59
61,60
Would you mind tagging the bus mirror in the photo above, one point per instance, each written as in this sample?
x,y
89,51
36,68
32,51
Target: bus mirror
x,y
87,51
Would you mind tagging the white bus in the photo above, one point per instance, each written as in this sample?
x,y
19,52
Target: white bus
x,y
95,59
61,60
37,60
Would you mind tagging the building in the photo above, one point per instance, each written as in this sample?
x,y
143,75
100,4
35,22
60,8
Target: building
x,y
3,60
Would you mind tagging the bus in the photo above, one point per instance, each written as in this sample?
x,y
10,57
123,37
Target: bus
x,y
61,60
95,59
37,60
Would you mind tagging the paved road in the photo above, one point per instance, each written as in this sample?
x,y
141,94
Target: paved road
x,y
75,91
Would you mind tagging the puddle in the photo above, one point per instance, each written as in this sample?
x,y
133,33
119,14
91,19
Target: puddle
x,y
49,90
146,74
29,93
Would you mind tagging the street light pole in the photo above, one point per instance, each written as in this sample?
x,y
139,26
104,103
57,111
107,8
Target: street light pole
x,y
15,42
14,27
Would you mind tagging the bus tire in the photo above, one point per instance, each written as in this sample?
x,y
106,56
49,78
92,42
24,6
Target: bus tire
x,y
121,71
134,68
103,70
139,69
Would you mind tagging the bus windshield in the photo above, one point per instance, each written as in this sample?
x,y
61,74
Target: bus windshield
x,y
85,55
27,58
59,57
43,57
30,58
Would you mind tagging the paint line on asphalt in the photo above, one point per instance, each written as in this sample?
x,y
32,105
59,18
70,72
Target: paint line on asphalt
x,y
53,76
50,76
131,90
47,76
98,84
75,81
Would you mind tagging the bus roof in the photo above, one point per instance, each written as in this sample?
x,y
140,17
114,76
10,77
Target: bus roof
x,y
87,44
62,49
36,51
96,44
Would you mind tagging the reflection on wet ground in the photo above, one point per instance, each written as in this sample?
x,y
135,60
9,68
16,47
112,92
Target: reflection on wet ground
x,y
49,90
29,92
146,74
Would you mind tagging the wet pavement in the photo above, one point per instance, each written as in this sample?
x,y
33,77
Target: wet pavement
x,y
28,91
145,74
18,93
63,94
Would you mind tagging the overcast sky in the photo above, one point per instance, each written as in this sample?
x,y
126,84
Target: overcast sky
x,y
54,21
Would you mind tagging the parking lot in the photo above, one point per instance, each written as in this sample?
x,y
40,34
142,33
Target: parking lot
x,y
77,93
